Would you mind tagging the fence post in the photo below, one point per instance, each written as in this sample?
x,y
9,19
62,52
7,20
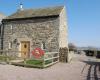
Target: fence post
x,y
43,61
24,60
52,57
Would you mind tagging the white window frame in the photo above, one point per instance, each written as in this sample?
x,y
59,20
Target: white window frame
x,y
10,45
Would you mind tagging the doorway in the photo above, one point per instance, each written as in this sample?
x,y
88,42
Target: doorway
x,y
25,49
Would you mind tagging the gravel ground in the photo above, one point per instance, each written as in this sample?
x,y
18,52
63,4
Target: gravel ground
x,y
75,70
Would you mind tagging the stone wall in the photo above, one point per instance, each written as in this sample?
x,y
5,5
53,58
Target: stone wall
x,y
63,36
63,29
70,55
34,30
63,53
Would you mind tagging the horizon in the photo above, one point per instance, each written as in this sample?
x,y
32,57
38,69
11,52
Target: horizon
x,y
83,17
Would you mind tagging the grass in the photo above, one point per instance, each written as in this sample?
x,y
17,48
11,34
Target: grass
x,y
6,58
48,61
37,62
34,62
3,58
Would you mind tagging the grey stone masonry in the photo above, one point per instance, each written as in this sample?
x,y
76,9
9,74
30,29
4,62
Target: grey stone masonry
x,y
36,31
63,36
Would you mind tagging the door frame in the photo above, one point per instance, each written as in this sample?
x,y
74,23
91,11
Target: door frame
x,y
28,54
22,40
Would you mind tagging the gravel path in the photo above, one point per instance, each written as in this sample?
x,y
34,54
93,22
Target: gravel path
x,y
75,70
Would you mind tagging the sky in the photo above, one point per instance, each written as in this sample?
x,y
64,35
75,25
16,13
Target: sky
x,y
83,17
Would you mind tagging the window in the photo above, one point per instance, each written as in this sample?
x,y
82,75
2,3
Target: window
x,y
43,45
11,27
10,45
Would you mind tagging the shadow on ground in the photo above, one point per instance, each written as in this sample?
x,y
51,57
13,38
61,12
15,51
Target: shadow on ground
x,y
93,70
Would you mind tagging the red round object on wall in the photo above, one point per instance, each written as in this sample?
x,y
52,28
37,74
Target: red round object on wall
x,y
38,52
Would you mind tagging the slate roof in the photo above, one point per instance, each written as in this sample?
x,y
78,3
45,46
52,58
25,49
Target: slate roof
x,y
28,13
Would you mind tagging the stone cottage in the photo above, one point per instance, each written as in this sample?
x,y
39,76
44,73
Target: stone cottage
x,y
28,29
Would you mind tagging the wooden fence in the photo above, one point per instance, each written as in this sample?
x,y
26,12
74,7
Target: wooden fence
x,y
53,57
48,59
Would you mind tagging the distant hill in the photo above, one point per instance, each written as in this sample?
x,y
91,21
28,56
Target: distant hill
x,y
88,48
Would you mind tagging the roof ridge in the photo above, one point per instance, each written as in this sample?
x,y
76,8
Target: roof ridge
x,y
50,7
36,12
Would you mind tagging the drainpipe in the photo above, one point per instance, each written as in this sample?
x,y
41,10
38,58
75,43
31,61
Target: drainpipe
x,y
2,35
